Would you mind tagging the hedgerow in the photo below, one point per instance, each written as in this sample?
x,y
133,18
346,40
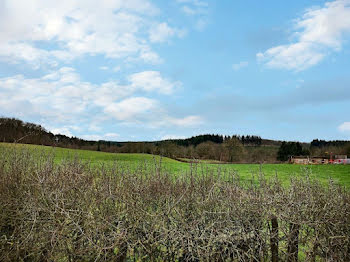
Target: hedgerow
x,y
73,211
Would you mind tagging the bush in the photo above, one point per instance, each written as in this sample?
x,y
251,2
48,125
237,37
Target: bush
x,y
76,212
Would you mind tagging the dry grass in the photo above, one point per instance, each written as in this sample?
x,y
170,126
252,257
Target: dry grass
x,y
75,212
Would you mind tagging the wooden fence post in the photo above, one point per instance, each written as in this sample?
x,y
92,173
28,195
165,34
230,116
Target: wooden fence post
x,y
274,239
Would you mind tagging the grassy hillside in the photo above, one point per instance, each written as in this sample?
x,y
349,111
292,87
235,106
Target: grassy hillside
x,y
338,173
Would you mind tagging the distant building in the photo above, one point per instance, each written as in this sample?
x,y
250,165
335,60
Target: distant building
x,y
319,160
301,160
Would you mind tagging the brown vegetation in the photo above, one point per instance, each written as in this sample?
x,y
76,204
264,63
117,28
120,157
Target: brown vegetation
x,y
74,212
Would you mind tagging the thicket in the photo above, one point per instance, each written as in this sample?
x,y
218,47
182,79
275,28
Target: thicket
x,y
72,211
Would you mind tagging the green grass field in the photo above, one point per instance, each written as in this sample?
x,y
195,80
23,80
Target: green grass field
x,y
338,173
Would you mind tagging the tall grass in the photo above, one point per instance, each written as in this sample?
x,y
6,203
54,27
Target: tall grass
x,y
73,211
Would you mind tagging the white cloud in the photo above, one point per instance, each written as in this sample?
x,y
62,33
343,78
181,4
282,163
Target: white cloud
x,y
162,32
61,94
168,137
298,57
131,109
104,68
150,57
61,131
240,65
68,29
153,81
344,127
318,32
62,98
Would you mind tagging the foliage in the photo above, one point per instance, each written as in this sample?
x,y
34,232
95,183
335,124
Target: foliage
x,y
288,149
235,149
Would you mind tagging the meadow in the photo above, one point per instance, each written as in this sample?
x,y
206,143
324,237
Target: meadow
x,y
339,174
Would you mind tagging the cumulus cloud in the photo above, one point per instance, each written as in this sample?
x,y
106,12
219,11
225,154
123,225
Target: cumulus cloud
x,y
40,32
318,32
47,35
153,81
344,127
131,109
62,97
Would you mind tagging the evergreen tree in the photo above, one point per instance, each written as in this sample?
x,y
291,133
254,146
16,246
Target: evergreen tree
x,y
288,149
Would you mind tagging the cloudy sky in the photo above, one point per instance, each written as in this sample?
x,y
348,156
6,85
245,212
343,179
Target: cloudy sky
x,y
148,70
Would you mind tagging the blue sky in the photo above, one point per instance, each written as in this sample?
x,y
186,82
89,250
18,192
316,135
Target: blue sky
x,y
149,70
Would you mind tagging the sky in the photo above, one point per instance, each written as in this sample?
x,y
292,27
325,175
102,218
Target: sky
x,y
145,70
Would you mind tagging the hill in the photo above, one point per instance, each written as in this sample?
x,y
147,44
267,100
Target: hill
x,y
235,148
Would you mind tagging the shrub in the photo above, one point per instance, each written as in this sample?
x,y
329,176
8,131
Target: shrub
x,y
75,212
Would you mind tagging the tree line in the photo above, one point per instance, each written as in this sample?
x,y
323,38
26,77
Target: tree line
x,y
324,143
207,146
218,139
224,148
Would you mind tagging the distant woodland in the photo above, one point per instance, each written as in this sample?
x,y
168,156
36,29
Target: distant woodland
x,y
235,148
